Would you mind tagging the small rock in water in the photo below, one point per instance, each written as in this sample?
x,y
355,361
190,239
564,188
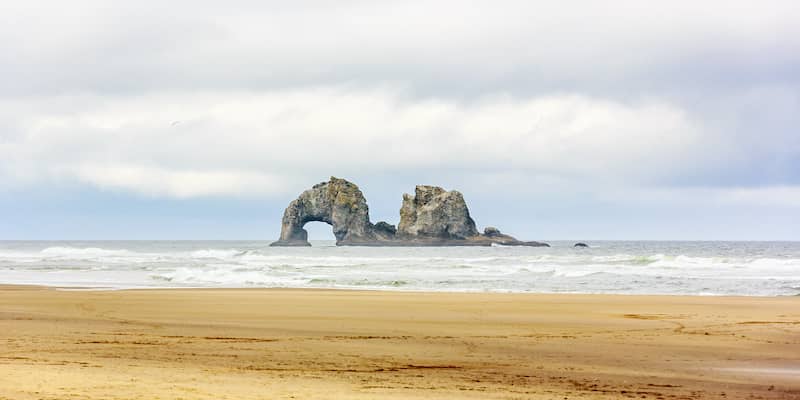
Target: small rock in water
x,y
491,231
580,244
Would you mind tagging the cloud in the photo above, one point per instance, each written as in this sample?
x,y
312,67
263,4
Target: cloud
x,y
185,99
622,48
239,143
158,182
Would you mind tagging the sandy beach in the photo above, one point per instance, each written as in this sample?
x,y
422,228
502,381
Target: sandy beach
x,y
330,344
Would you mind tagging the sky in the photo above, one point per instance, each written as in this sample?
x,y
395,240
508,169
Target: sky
x,y
556,119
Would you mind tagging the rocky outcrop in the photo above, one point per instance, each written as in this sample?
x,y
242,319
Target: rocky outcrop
x,y
437,217
496,237
384,231
491,231
432,217
435,213
338,203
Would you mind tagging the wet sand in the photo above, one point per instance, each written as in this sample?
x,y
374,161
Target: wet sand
x,y
324,344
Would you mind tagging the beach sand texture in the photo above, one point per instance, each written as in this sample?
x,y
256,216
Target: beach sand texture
x,y
335,344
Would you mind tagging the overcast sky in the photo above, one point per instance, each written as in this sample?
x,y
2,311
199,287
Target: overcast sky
x,y
557,120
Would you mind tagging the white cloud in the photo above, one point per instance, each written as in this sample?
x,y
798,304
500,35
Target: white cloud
x,y
238,143
155,181
194,98
148,45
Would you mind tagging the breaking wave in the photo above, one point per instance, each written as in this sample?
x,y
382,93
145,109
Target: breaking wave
x,y
615,267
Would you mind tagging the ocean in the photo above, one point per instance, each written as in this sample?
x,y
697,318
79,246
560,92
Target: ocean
x,y
619,267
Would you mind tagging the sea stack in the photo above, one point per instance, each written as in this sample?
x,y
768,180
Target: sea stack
x,y
431,217
338,203
435,213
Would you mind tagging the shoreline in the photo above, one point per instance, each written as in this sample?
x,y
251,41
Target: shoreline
x,y
380,290
330,343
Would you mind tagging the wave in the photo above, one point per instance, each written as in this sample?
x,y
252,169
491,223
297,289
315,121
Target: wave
x,y
250,257
83,252
218,254
654,263
665,269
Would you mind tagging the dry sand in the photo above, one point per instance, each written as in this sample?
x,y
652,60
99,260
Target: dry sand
x,y
318,344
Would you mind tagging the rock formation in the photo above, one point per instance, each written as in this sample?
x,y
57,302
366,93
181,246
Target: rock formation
x,y
432,217
495,236
435,213
338,203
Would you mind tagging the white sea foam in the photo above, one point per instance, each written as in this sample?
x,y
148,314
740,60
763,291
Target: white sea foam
x,y
74,252
222,254
614,267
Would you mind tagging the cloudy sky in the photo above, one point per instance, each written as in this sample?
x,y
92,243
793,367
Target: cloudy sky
x,y
557,120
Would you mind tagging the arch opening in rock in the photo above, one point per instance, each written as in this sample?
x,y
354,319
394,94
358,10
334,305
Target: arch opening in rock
x,y
319,231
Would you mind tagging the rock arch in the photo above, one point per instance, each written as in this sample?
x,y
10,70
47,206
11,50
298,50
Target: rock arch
x,y
432,217
338,203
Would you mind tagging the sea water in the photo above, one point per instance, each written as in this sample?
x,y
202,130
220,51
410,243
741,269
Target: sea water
x,y
624,267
